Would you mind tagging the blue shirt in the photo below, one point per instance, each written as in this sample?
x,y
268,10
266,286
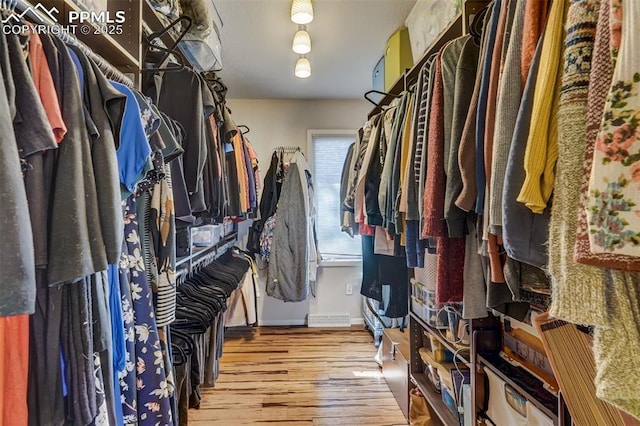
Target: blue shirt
x,y
134,149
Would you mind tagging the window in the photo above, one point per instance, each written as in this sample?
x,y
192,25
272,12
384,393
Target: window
x,y
328,151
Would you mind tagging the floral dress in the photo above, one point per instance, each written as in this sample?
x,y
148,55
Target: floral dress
x,y
613,212
143,384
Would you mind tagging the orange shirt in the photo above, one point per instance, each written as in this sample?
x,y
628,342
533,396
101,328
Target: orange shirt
x,y
45,87
14,369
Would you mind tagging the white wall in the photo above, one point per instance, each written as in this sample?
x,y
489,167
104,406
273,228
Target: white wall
x,y
275,122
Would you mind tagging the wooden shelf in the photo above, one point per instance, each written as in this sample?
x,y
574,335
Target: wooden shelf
x,y
462,353
152,18
434,399
122,51
522,381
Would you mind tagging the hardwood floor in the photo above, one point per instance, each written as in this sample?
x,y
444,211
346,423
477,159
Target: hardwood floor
x,y
298,376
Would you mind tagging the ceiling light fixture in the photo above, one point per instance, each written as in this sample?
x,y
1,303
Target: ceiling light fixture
x,y
301,11
302,42
303,68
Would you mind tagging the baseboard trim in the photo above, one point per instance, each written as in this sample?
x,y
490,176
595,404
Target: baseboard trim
x,y
284,323
281,323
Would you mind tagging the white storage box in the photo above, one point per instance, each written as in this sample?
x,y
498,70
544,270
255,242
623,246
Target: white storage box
x,y
425,22
205,236
433,316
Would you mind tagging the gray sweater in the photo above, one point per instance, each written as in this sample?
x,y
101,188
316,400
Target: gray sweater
x,y
509,96
524,233
464,73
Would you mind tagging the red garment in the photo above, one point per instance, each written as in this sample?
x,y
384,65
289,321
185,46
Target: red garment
x,y
216,143
450,273
364,229
434,187
14,370
43,81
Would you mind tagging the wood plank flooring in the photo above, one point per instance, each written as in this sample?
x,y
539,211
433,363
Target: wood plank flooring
x,y
298,376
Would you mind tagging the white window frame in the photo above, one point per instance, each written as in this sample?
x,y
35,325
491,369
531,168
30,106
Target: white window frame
x,y
324,132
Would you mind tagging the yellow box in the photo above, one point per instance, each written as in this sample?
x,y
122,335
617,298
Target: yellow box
x,y
397,57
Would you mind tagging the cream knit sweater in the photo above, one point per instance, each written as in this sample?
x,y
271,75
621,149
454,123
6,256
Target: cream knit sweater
x,y
578,290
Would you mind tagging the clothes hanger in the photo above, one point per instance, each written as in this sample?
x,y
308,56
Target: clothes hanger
x,y
477,24
380,93
180,59
245,127
169,50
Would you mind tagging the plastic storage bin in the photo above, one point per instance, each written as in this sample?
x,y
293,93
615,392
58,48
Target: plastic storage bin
x,y
377,80
205,236
426,20
397,57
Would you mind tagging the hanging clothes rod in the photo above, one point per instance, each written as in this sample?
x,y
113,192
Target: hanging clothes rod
x,y
67,38
287,149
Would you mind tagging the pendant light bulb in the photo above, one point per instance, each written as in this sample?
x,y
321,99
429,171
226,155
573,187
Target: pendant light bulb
x,y
303,68
301,43
301,11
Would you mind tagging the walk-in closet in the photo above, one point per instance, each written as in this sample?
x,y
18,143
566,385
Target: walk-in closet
x,y
319,212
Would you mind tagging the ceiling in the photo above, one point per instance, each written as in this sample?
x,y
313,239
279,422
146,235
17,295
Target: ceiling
x,y
348,37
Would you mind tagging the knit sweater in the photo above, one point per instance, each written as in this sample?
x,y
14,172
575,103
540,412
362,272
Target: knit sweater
x,y
524,233
535,17
467,150
612,209
509,96
493,41
450,276
421,133
599,83
449,62
434,225
542,144
616,346
474,296
465,71
502,38
493,241
578,290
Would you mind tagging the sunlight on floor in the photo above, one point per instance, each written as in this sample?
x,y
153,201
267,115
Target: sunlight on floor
x,y
376,374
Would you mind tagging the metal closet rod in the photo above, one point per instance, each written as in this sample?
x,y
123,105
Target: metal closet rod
x,y
287,149
109,70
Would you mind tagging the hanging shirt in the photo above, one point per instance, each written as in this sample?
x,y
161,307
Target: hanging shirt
x,y
134,149
45,87
17,268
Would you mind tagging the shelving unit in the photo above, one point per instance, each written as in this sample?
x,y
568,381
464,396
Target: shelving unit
x,y
486,337
434,399
523,382
187,263
151,17
462,353
122,50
